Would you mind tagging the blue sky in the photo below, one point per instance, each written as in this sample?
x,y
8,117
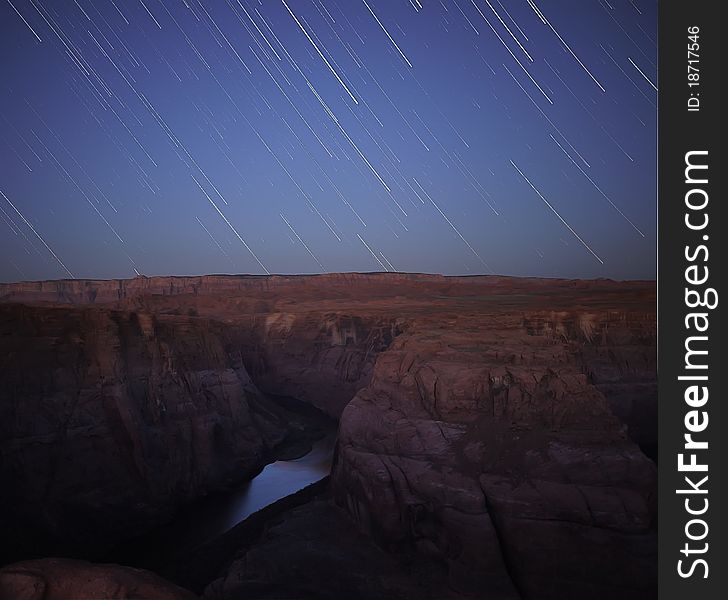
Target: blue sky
x,y
455,137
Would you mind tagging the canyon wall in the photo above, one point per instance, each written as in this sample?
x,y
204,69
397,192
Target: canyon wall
x,y
285,288
322,358
109,419
486,442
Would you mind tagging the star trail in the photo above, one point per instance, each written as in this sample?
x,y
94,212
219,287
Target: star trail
x,y
150,137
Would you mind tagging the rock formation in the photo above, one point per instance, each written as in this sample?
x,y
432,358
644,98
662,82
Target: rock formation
x,y
110,419
63,579
315,551
489,445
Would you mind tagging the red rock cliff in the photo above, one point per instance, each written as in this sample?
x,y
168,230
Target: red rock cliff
x,y
109,419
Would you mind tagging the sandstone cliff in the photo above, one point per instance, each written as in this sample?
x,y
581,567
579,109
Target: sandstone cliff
x,y
487,443
110,419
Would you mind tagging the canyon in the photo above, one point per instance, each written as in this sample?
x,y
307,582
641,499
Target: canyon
x,y
496,435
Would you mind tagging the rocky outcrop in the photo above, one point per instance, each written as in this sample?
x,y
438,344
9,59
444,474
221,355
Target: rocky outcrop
x,y
314,551
61,579
110,419
487,443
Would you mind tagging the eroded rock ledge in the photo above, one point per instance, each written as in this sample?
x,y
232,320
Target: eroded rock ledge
x,y
488,444
62,578
110,419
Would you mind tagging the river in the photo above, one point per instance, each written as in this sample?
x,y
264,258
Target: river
x,y
277,480
210,517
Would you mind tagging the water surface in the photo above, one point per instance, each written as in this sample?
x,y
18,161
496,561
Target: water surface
x,y
220,513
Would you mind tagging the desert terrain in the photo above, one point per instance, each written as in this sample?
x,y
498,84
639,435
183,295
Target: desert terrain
x,y
496,435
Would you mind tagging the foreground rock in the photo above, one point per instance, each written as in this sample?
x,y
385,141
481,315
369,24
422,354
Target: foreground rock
x,y
62,579
314,552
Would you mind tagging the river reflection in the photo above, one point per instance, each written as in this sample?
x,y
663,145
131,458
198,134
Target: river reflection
x,y
218,514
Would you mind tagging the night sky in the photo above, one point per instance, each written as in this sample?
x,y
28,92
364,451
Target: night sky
x,y
301,136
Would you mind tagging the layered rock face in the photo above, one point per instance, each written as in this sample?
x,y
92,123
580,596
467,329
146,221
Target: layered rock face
x,y
320,357
109,419
495,424
487,443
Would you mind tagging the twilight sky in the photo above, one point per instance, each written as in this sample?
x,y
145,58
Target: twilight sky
x,y
297,136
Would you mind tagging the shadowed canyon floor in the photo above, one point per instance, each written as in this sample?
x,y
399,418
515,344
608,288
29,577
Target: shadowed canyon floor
x,y
494,435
